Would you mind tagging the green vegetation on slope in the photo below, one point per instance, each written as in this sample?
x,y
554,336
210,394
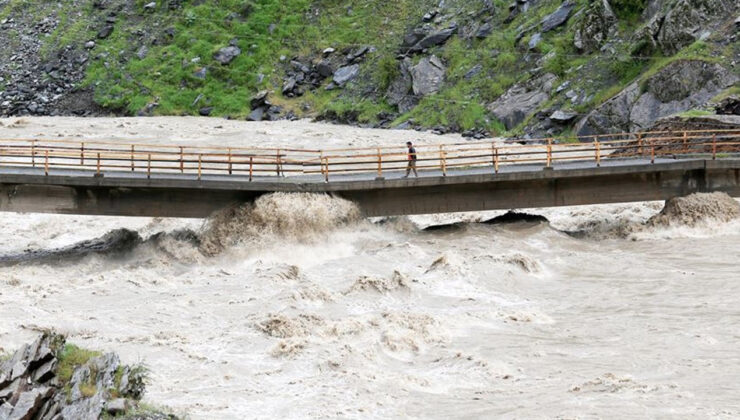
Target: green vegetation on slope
x,y
161,61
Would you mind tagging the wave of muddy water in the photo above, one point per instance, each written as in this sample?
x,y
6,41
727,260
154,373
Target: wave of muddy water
x,y
343,317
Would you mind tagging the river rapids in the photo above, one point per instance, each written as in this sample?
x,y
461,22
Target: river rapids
x,y
297,307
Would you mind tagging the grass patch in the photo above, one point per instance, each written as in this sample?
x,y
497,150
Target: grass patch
x,y
364,111
732,91
451,108
88,389
695,113
568,136
70,358
386,72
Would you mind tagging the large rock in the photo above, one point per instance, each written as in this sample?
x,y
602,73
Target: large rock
x,y
259,100
484,31
430,40
558,17
39,394
705,122
346,74
682,22
227,54
257,114
680,86
428,76
652,7
413,37
400,90
534,41
105,32
728,106
597,24
562,117
521,100
29,403
324,68
518,7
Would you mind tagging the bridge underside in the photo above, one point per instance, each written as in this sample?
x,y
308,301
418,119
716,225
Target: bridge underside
x,y
172,197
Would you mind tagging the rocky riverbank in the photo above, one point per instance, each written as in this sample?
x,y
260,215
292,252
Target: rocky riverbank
x,y
532,68
50,379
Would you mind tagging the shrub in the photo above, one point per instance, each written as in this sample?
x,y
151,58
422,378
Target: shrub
x,y
628,9
386,72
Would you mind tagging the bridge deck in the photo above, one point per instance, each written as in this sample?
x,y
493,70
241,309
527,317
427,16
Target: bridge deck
x,y
104,178
16,174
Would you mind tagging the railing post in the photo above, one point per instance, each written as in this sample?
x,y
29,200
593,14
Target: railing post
x,y
98,166
229,160
714,146
200,165
549,153
277,162
652,151
82,154
598,152
33,153
443,159
685,142
149,166
326,174
495,157
133,165
251,161
639,144
46,163
182,160
380,164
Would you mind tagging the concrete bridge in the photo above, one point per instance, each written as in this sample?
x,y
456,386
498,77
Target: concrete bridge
x,y
174,181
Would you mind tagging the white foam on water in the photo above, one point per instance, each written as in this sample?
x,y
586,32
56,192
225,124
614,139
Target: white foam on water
x,y
307,311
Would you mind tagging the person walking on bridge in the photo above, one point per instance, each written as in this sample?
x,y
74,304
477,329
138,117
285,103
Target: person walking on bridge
x,y
412,160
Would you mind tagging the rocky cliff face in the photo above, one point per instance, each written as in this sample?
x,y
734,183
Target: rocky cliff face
x,y
50,380
680,86
529,67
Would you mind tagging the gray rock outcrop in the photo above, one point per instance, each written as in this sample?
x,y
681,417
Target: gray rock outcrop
x,y
680,86
597,24
227,54
558,17
31,388
419,39
400,90
521,100
427,76
346,74
518,7
681,22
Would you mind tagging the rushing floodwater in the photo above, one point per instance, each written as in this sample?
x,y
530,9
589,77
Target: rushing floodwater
x,y
298,308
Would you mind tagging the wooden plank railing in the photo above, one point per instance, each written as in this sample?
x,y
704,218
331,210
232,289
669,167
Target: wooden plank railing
x,y
101,157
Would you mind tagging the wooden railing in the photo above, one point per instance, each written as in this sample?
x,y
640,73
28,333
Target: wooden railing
x,y
247,162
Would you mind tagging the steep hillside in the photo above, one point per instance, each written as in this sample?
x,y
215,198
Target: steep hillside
x,y
521,67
